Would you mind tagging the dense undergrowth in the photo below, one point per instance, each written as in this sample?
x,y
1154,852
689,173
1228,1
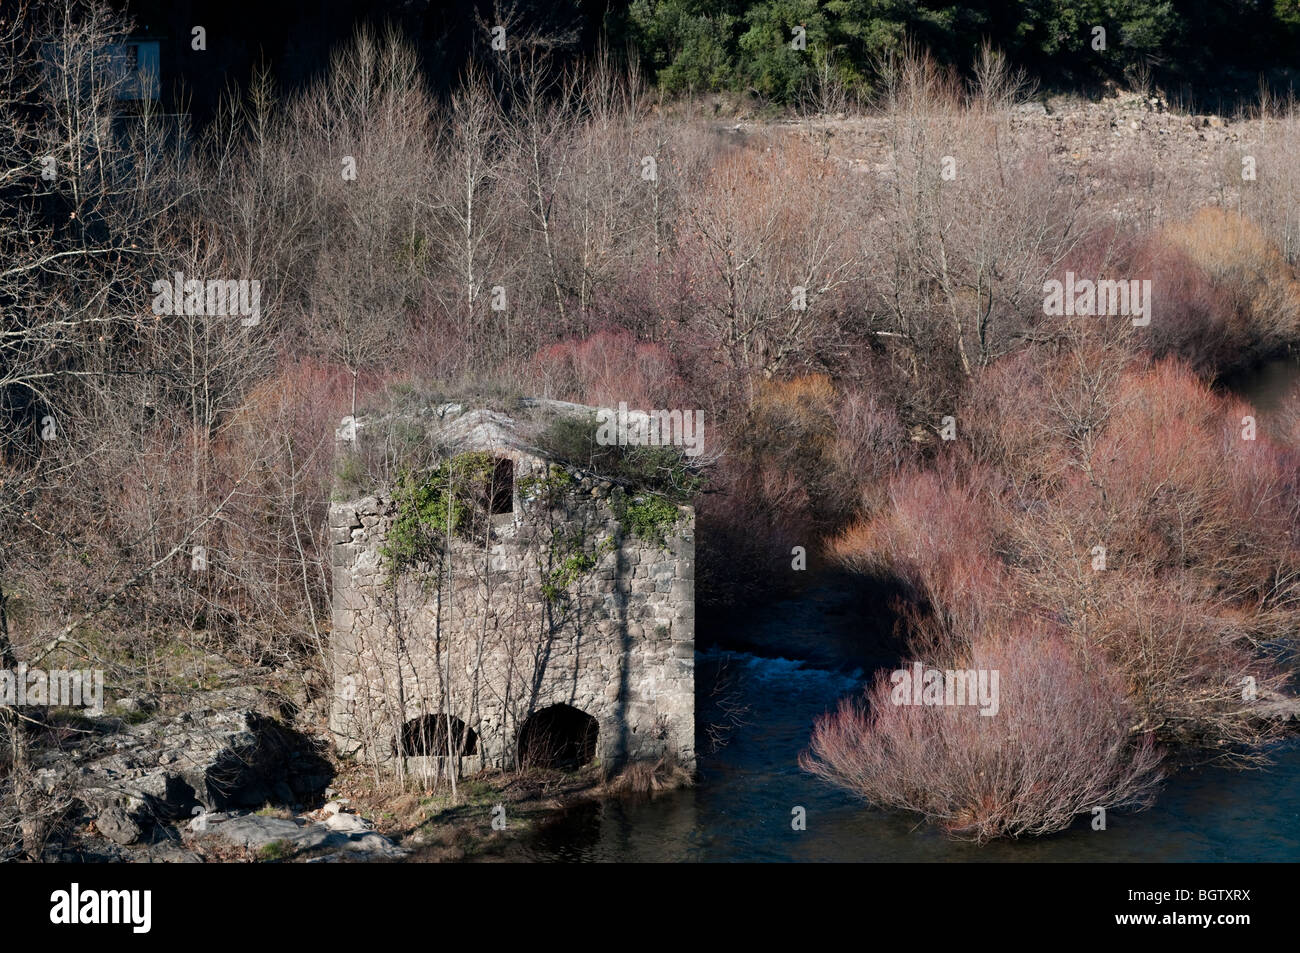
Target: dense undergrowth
x,y
834,323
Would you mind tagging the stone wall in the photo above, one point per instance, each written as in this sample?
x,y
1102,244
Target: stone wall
x,y
491,647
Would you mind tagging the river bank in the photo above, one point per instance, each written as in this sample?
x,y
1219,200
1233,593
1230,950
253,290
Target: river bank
x,y
756,705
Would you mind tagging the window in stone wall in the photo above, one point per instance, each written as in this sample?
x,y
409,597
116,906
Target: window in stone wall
x,y
503,487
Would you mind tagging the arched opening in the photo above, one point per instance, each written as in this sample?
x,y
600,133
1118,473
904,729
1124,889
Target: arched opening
x,y
560,736
429,736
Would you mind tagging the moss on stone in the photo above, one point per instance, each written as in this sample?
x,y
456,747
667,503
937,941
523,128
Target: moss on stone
x,y
647,517
428,505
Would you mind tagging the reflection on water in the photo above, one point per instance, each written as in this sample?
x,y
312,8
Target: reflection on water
x,y
741,809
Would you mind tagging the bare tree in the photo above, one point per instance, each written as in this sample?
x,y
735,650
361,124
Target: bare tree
x,y
469,220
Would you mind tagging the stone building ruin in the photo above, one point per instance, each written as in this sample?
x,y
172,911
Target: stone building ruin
x,y
558,631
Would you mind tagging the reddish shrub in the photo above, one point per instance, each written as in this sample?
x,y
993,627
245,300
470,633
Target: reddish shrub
x,y
1198,530
276,462
607,368
937,539
1224,296
1058,745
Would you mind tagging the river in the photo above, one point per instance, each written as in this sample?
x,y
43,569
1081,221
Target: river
x,y
741,808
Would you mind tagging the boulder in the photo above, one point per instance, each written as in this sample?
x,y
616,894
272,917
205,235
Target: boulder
x,y
348,823
255,832
135,704
118,826
345,834
226,751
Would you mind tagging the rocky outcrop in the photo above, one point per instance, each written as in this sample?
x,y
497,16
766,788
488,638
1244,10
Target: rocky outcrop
x,y
1284,710
339,836
1094,145
228,750
117,824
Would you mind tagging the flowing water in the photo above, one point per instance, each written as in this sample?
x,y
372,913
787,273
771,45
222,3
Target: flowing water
x,y
741,808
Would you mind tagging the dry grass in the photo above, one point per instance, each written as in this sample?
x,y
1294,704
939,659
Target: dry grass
x,y
647,778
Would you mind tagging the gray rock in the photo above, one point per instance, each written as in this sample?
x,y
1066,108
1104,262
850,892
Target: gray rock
x,y
222,753
118,826
165,854
256,832
348,823
346,833
204,820
142,703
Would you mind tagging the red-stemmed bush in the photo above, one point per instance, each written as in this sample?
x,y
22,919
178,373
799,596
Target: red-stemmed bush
x,y
1058,745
